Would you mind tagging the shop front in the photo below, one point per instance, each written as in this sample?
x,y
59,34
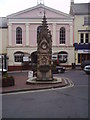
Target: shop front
x,y
82,52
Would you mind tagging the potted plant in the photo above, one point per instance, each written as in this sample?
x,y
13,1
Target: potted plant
x,y
7,80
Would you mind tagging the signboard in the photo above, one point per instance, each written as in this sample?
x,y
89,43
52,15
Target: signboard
x,y
25,59
30,74
84,51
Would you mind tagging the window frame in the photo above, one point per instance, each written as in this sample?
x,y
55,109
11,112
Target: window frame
x,y
81,38
86,20
62,36
86,38
18,35
18,57
63,56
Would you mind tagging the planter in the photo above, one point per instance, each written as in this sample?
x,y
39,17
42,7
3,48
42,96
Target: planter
x,y
8,81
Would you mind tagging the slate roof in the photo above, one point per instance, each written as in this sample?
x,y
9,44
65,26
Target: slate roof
x,y
3,22
80,9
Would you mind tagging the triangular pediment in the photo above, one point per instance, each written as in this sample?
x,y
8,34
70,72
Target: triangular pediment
x,y
38,12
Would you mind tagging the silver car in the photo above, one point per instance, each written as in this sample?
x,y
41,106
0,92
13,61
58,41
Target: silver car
x,y
87,69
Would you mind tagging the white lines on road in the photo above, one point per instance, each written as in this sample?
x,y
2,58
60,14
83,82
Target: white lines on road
x,y
71,84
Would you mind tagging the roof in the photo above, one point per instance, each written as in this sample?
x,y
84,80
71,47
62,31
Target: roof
x,y
3,22
36,7
80,9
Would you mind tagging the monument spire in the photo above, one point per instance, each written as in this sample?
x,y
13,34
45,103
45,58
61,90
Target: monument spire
x,y
44,22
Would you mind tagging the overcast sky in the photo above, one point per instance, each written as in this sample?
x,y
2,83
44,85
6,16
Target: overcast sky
x,y
8,7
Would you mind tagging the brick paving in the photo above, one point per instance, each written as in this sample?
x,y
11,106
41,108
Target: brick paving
x,y
20,84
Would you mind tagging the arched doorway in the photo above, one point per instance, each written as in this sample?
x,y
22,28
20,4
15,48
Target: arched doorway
x,y
34,57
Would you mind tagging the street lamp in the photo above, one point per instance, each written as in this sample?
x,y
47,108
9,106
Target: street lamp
x,y
1,62
2,65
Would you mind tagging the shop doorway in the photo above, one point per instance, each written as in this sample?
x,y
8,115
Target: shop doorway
x,y
82,57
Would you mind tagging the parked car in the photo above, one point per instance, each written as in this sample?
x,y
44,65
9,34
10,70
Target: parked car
x,y
59,69
84,63
4,70
87,69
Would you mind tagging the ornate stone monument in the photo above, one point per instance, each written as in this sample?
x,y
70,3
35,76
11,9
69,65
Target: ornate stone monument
x,y
44,58
44,52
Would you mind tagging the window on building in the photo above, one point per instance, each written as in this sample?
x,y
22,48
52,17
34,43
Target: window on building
x,y
62,56
18,35
62,35
86,38
18,56
87,20
81,38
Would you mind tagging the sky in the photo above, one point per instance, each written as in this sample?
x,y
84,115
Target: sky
x,y
8,7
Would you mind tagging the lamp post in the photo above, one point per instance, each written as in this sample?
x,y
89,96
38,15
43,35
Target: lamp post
x,y
2,65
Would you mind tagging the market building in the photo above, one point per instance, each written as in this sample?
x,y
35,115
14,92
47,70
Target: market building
x,y
22,32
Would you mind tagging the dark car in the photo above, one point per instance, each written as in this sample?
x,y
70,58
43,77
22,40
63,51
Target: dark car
x,y
59,69
84,63
87,69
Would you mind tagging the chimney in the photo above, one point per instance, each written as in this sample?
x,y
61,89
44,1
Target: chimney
x,y
72,2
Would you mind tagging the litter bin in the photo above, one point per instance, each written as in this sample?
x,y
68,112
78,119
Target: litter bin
x,y
73,66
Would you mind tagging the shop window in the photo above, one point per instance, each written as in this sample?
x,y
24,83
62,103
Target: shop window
x,y
62,35
62,56
18,35
18,56
81,38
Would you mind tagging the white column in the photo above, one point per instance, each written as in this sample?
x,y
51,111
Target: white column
x,y
10,34
27,34
84,37
71,35
79,38
54,35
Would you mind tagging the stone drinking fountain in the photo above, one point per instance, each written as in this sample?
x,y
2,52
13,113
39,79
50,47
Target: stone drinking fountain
x,y
44,56
44,52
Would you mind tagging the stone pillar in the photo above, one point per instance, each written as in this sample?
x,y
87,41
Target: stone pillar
x,y
79,38
10,34
76,58
71,35
54,35
27,34
1,38
84,38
